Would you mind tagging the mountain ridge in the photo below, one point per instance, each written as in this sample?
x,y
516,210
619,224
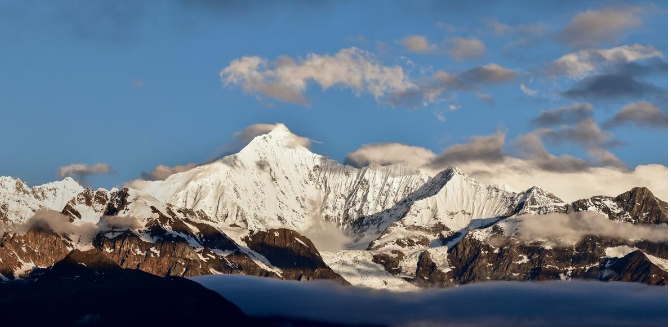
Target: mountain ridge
x,y
221,218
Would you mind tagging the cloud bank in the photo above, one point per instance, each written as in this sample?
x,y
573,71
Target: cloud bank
x,y
520,304
570,228
74,230
483,158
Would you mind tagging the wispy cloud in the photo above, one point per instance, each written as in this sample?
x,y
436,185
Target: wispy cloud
x,y
81,172
287,79
563,115
570,228
582,63
389,153
644,114
162,172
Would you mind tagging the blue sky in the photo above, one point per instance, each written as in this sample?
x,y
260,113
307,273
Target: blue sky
x,y
138,85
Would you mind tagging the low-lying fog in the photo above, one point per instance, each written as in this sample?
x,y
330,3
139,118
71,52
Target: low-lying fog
x,y
559,303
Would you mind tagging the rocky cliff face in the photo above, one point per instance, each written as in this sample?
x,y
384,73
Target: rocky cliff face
x,y
634,267
637,206
293,253
21,252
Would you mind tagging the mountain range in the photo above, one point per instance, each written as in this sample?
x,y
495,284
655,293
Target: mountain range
x,y
277,210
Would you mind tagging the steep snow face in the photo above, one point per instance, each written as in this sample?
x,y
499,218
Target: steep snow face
x,y
274,182
451,201
461,202
18,202
358,268
539,201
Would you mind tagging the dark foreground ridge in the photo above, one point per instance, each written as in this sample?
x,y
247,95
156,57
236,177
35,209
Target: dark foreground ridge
x,y
88,289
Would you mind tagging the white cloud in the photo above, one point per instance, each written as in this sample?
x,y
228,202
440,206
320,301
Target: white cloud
x,y
83,169
490,73
586,133
535,29
570,228
60,224
389,153
81,172
440,115
162,172
642,113
486,97
564,115
466,48
570,186
606,158
487,148
418,44
581,63
528,91
287,79
592,27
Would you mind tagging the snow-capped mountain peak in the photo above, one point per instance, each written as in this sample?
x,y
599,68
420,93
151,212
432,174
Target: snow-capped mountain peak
x,y
279,138
19,202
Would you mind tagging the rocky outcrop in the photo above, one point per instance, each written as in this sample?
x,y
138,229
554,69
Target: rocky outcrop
x,y
428,273
95,200
20,253
637,206
538,201
168,247
634,267
165,247
390,261
643,207
293,253
508,259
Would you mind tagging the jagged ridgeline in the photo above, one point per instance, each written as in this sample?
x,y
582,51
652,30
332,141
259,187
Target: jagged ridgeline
x,y
277,210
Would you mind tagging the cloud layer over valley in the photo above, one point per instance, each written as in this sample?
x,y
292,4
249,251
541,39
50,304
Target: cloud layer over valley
x,y
516,304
